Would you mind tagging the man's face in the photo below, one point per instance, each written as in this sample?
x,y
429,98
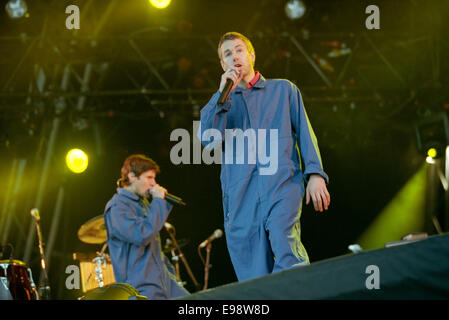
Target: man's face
x,y
142,184
234,54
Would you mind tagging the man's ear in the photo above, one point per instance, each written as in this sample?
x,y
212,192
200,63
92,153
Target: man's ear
x,y
131,177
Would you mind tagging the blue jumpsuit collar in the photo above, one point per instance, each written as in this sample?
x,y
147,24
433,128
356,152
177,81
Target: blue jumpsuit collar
x,y
128,194
259,85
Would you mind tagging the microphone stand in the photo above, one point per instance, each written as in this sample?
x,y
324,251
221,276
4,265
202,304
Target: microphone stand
x,y
207,265
183,259
175,259
45,291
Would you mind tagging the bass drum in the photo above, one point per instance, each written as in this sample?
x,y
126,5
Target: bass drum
x,y
18,279
116,291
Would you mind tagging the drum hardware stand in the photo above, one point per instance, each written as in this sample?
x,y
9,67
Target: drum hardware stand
x,y
171,231
44,290
5,291
100,262
11,262
33,286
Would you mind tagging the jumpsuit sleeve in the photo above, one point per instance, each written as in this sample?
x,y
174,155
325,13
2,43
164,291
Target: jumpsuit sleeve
x,y
305,137
214,117
124,223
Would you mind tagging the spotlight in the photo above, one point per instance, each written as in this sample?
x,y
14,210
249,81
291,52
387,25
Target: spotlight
x,y
295,9
16,8
76,160
432,152
432,135
435,150
160,4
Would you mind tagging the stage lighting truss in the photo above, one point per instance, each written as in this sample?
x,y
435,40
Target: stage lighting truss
x,y
161,68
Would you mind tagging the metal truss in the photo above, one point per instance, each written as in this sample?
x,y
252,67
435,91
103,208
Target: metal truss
x,y
177,69
165,65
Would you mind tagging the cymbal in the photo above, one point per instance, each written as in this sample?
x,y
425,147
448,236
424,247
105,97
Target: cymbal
x,y
93,231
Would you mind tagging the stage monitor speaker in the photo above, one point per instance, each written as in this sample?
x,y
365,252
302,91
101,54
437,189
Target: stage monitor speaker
x,y
116,291
413,270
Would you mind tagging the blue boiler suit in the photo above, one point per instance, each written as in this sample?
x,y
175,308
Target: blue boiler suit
x,y
132,226
262,211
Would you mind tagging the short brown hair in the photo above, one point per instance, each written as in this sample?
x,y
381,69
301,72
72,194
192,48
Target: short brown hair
x,y
232,36
138,164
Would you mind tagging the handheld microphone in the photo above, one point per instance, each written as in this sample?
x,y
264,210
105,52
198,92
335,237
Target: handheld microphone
x,y
217,234
174,199
171,198
225,92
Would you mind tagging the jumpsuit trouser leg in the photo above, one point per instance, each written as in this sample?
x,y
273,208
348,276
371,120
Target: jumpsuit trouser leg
x,y
265,237
284,230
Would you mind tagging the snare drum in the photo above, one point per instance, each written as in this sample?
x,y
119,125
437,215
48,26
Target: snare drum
x,y
19,280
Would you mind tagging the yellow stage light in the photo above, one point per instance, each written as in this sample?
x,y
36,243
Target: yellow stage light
x,y
160,4
76,160
432,152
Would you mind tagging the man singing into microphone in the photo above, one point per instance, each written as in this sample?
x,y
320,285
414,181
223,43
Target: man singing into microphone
x,y
262,211
133,226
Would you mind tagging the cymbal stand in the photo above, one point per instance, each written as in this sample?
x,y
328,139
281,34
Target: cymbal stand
x,y
171,232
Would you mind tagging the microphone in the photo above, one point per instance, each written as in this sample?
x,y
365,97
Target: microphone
x,y
171,198
225,92
217,234
35,214
168,226
174,199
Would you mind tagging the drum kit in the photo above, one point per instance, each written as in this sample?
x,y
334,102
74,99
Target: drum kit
x,y
97,276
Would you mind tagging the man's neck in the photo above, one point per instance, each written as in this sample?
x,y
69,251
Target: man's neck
x,y
246,79
130,189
